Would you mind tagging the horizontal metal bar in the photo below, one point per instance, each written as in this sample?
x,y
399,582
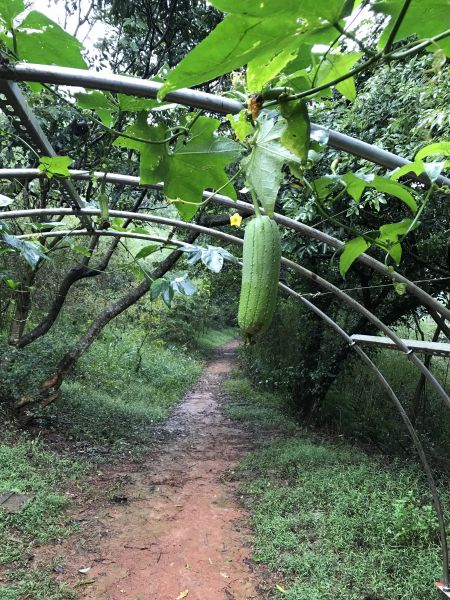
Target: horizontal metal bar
x,y
433,348
320,281
188,97
311,232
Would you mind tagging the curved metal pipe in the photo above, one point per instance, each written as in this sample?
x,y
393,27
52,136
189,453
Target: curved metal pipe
x,y
390,392
323,283
311,232
186,96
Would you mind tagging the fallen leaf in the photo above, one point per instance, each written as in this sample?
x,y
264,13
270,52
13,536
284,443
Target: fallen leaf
x,y
182,595
225,575
281,589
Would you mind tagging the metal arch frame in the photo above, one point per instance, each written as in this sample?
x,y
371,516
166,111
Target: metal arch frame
x,y
351,343
188,97
311,232
323,283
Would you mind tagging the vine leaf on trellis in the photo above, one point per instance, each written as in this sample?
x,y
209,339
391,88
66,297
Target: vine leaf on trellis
x,y
55,166
241,125
270,33
336,65
356,183
416,21
9,9
212,257
263,166
32,252
386,238
103,104
194,165
166,287
39,39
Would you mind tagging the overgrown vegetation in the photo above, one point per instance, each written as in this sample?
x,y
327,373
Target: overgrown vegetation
x,y
27,467
333,522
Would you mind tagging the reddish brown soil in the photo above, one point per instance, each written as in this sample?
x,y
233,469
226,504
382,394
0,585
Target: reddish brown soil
x,y
180,529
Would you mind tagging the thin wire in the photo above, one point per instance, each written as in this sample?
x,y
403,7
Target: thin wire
x,y
369,287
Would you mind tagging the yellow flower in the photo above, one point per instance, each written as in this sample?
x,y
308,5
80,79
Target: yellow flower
x,y
236,220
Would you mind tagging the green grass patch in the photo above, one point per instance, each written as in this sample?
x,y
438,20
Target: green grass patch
x,y
257,407
333,522
215,338
26,467
121,389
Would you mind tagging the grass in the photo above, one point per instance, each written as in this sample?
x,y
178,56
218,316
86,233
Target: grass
x,y
26,467
121,390
263,409
332,522
214,338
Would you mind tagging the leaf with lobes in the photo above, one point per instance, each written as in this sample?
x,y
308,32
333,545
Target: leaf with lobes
x,y
263,166
212,257
265,31
102,103
166,287
195,164
333,67
55,166
240,124
38,39
423,19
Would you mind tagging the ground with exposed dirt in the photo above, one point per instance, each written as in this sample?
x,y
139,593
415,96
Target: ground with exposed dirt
x,y
170,527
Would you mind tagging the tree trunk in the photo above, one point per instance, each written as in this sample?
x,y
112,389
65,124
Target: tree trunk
x,y
50,389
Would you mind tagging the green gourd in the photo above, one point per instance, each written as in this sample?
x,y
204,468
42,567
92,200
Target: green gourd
x,y
260,274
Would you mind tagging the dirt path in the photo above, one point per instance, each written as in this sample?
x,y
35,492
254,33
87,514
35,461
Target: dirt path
x,y
180,529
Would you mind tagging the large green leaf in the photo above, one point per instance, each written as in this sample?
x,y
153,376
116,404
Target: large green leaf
x,y
424,19
102,103
352,250
9,9
55,166
433,149
41,40
357,182
189,169
336,65
263,166
253,30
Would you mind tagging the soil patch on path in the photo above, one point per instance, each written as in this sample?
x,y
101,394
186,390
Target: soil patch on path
x,y
172,527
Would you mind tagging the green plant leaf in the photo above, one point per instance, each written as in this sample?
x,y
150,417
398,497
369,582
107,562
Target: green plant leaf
x,y
55,165
241,125
423,20
416,167
336,65
146,251
136,104
262,69
263,166
32,252
191,167
103,105
41,40
296,135
352,249
357,182
10,9
253,30
433,149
